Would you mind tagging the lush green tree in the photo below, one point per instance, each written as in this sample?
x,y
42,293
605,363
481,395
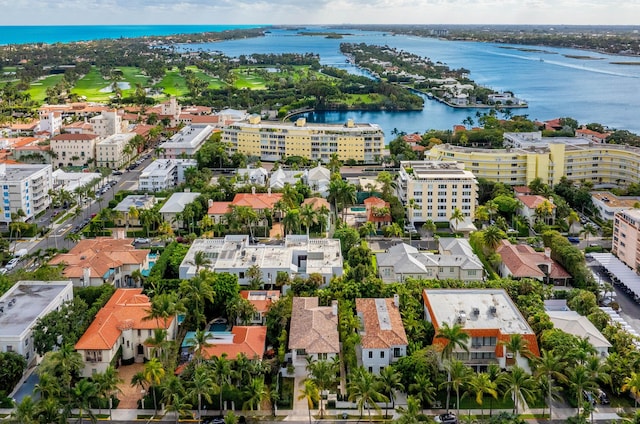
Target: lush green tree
x,y
324,377
389,379
202,386
458,376
519,385
107,384
550,366
83,394
632,385
153,374
12,367
256,392
480,384
348,237
310,393
364,390
423,390
25,412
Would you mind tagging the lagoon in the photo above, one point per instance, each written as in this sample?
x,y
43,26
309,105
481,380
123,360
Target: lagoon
x,y
556,82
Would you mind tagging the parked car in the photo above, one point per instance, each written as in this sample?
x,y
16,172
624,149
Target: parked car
x,y
574,240
117,172
448,418
3,271
141,240
218,419
12,264
602,397
589,397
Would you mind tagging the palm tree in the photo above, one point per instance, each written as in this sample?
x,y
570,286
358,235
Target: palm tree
x,y
154,373
132,213
423,389
202,385
454,337
480,385
291,221
363,389
491,237
107,383
310,393
334,163
393,230
178,405
632,385
200,259
456,217
389,379
194,294
25,412
323,217
572,219
82,395
163,306
410,414
323,375
308,216
198,343
369,228
429,227
550,366
589,230
257,392
222,371
519,385
517,345
458,374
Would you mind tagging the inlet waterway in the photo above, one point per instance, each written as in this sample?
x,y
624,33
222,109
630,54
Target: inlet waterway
x,y
556,82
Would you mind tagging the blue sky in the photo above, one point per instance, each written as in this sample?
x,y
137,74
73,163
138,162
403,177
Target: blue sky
x,y
554,12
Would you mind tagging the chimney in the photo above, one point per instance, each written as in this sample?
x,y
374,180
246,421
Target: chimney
x,y
396,300
334,308
547,252
210,203
269,191
253,190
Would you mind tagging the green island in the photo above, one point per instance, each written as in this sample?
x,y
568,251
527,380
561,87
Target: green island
x,y
625,63
452,87
581,57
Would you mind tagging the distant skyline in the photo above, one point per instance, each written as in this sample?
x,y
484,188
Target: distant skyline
x,y
275,12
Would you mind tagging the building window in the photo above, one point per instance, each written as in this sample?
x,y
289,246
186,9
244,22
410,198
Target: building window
x,y
382,354
301,352
370,370
397,352
370,354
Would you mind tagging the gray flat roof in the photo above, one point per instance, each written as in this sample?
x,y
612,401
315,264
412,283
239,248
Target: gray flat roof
x,y
31,298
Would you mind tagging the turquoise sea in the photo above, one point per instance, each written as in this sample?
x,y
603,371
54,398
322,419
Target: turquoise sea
x,y
68,33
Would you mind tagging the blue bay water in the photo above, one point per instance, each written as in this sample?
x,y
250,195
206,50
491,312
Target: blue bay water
x,y
553,84
69,33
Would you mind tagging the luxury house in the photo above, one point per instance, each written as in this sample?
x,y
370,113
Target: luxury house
x,y
314,331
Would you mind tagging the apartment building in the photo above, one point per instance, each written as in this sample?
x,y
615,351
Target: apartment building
x,y
21,307
186,142
607,204
50,122
110,151
24,187
605,165
488,316
164,174
626,237
436,189
108,123
72,149
272,141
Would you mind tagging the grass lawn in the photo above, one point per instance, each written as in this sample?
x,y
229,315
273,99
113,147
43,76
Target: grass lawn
x,y
469,402
90,86
38,88
352,99
173,84
245,79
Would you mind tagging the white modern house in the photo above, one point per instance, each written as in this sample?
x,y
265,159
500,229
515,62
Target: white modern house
x,y
163,174
186,142
24,187
382,337
297,255
21,307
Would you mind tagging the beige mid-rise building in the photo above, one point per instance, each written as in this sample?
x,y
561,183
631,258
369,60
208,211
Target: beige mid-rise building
x,y
272,141
433,190
110,152
108,123
74,149
626,235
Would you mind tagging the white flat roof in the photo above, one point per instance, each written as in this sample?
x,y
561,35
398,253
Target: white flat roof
x,y
448,304
25,301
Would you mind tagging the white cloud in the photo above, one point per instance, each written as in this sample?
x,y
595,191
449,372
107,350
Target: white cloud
x,y
94,12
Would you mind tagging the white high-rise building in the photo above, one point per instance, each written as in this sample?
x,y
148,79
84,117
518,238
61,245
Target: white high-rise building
x,y
162,174
24,187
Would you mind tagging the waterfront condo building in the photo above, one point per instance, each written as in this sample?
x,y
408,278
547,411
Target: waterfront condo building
x,y
432,190
489,317
605,165
110,152
272,141
70,149
626,237
24,187
186,142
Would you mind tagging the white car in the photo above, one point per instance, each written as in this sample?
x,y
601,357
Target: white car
x,y
3,271
12,264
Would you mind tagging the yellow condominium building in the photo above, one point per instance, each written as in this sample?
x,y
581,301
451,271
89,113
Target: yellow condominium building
x,y
272,141
606,165
433,190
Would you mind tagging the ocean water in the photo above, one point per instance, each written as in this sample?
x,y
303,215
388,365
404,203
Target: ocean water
x,y
69,33
554,81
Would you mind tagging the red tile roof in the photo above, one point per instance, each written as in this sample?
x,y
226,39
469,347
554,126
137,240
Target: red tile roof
x,y
316,202
533,201
247,340
219,208
522,190
374,337
71,136
127,308
257,200
522,261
